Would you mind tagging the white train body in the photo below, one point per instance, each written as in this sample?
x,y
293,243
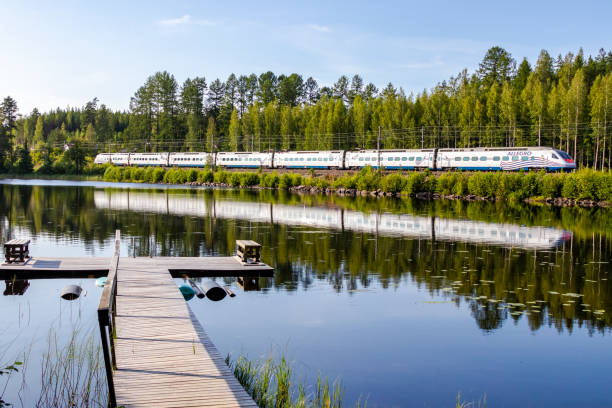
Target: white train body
x,y
322,159
473,159
506,159
191,159
243,159
120,159
103,158
400,159
149,159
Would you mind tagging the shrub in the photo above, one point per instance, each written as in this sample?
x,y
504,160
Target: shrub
x,y
206,176
551,185
269,180
192,175
234,179
392,183
157,175
249,179
221,177
414,182
570,186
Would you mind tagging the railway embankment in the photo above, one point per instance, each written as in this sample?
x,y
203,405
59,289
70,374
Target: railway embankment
x,y
587,188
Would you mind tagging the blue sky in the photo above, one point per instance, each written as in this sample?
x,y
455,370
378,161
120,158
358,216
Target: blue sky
x,y
55,54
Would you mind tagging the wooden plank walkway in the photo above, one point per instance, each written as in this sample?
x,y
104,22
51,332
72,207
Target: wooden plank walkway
x,y
164,358
51,268
84,267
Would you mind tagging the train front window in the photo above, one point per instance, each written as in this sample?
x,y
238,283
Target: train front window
x,y
554,156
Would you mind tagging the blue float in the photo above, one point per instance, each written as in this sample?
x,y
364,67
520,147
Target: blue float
x,y
187,291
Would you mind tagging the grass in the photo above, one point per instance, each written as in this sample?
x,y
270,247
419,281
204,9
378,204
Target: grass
x,y
272,384
73,374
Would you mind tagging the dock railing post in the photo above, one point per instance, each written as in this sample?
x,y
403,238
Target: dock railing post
x,y
106,317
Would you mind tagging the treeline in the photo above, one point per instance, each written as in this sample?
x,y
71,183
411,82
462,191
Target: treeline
x,y
585,184
564,102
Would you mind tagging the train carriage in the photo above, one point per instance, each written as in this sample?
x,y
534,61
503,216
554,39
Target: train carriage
x,y
399,159
149,159
103,158
120,159
506,159
191,159
325,159
244,159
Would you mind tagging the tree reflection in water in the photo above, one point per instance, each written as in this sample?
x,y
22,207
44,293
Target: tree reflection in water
x,y
508,261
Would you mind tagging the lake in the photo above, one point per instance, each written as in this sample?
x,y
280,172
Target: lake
x,y
408,302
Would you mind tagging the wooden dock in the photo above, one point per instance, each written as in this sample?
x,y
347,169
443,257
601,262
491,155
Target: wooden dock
x,y
164,358
156,353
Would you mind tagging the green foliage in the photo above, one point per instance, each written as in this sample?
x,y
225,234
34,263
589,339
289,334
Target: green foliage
x,y
271,383
270,180
249,179
221,177
206,176
392,183
192,175
414,183
24,162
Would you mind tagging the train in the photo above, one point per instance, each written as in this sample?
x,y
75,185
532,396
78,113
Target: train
x,y
472,159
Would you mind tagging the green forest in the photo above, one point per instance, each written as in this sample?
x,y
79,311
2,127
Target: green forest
x,y
563,102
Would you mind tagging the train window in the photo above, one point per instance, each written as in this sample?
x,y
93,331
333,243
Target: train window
x,y
390,158
483,158
505,158
373,158
515,158
404,158
474,158
466,158
397,159
524,158
532,157
554,156
324,159
367,159
320,159
419,158
495,158
361,159
457,158
411,158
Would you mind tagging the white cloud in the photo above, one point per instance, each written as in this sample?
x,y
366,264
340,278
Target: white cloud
x,y
319,28
185,20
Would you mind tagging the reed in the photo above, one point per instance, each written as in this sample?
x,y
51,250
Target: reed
x,y
272,384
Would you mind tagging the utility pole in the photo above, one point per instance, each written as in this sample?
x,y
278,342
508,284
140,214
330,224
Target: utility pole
x,y
422,137
378,148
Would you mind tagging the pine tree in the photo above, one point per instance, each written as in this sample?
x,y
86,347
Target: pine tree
x,y
234,132
211,132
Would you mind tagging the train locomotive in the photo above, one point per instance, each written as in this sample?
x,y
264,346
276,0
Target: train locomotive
x,y
472,159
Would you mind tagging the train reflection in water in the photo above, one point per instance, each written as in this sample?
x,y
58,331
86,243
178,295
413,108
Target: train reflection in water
x,y
384,224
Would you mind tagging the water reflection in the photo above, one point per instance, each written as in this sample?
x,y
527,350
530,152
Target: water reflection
x,y
383,224
506,262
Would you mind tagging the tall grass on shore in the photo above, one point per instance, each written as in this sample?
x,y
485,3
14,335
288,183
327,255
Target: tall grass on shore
x,y
272,384
73,373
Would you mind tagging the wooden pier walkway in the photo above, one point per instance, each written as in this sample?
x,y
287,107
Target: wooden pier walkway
x,y
164,358
156,353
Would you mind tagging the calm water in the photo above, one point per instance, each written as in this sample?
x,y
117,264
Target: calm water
x,y
407,302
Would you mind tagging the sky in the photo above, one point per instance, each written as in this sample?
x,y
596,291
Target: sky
x,y
64,53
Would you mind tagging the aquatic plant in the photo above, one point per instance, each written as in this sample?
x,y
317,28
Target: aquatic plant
x,y
272,384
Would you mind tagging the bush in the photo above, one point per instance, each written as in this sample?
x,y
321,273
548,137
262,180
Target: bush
x,y
414,183
221,177
112,173
249,179
551,185
269,180
234,179
192,175
158,175
367,180
392,183
206,176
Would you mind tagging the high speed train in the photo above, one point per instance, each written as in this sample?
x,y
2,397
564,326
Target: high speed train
x,y
474,159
